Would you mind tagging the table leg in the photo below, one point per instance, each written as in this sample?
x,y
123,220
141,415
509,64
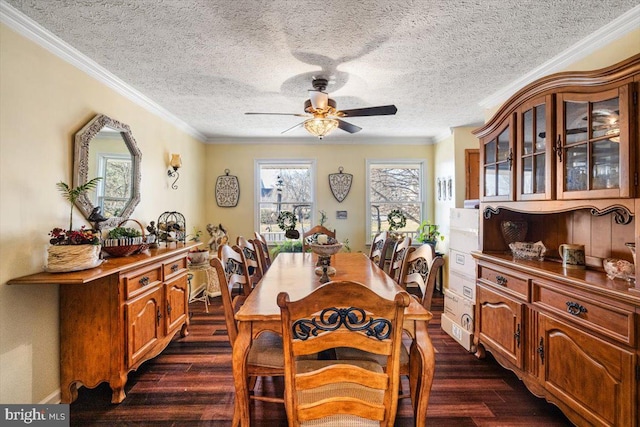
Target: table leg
x,y
241,414
422,367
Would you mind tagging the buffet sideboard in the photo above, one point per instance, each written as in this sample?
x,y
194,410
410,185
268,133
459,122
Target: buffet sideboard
x,y
562,156
116,316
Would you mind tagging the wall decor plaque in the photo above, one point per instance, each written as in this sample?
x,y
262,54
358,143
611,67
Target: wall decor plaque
x,y
227,190
340,184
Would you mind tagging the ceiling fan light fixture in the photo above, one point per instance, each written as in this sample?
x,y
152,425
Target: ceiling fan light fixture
x,y
320,126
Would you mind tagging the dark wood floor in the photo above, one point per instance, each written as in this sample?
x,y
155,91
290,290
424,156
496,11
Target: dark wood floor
x,y
190,384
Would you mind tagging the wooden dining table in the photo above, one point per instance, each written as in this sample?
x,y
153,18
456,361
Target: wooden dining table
x,y
294,273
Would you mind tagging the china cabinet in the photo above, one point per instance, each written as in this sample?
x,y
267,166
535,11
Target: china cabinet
x,y
118,315
571,335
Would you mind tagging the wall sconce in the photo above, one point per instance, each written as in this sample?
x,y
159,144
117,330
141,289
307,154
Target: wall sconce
x,y
175,163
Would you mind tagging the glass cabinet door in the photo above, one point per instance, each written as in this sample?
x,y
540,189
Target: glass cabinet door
x,y
593,145
497,164
533,147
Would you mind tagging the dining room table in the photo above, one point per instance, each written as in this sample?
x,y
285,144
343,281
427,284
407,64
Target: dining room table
x,y
295,273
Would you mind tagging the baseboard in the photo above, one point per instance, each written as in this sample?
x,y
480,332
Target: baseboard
x,y
53,398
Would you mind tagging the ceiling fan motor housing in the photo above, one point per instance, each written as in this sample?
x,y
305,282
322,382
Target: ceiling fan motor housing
x,y
309,108
320,84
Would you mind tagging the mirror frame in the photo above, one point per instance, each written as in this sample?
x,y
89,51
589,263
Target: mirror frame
x,y
83,139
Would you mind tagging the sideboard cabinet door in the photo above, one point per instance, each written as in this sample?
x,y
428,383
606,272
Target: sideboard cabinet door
x,y
589,376
499,325
144,324
176,303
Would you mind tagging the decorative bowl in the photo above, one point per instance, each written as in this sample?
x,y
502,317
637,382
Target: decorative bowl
x,y
198,257
325,250
528,250
618,268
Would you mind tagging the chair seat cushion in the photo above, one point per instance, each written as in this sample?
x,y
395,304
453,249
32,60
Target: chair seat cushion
x,y
346,353
339,389
266,350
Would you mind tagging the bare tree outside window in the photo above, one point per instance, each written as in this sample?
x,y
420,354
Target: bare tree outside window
x,y
395,185
284,186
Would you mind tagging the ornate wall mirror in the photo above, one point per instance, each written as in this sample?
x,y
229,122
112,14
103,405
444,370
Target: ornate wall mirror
x,y
105,147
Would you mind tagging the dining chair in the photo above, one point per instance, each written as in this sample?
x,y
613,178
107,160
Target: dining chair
x,y
397,257
342,392
420,267
235,267
263,249
307,236
252,258
266,357
379,246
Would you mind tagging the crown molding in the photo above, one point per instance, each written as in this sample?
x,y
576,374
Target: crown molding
x,y
328,140
626,23
28,28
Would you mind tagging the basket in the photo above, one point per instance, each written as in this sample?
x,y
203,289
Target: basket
x,y
65,258
124,247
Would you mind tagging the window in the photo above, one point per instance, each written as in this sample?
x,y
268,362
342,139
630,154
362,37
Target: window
x,y
396,184
284,185
114,189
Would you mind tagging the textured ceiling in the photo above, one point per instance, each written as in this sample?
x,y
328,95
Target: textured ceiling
x,y
209,61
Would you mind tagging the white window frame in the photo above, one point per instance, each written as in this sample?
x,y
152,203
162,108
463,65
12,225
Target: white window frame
x,y
395,162
259,163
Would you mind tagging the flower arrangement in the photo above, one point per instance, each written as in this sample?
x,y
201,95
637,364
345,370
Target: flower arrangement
x,y
74,237
428,233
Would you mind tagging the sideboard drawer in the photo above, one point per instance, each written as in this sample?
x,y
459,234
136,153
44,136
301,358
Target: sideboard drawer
x,y
174,267
138,281
608,320
507,281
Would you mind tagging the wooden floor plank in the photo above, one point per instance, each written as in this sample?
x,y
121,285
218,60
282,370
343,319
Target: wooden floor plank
x,y
190,384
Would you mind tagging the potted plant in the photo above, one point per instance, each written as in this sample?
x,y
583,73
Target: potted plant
x,y
429,233
73,250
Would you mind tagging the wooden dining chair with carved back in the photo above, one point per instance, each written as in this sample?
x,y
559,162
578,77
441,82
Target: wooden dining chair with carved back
x,y
235,267
379,246
252,258
260,242
397,257
342,392
307,236
266,357
420,267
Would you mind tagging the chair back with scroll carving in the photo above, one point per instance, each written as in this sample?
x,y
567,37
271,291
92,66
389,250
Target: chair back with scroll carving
x,y
252,258
397,257
342,392
235,267
421,267
379,245
307,236
263,250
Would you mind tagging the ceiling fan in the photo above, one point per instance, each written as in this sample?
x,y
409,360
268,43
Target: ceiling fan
x,y
322,115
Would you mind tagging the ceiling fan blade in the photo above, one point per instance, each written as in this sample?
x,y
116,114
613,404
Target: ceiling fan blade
x,y
292,128
348,127
384,110
282,114
318,99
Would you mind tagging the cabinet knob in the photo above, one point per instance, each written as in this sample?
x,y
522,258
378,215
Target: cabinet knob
x,y
517,336
541,350
174,268
158,316
501,280
575,308
169,308
144,281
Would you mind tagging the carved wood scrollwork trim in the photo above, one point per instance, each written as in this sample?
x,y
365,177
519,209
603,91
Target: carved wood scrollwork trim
x,y
621,214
